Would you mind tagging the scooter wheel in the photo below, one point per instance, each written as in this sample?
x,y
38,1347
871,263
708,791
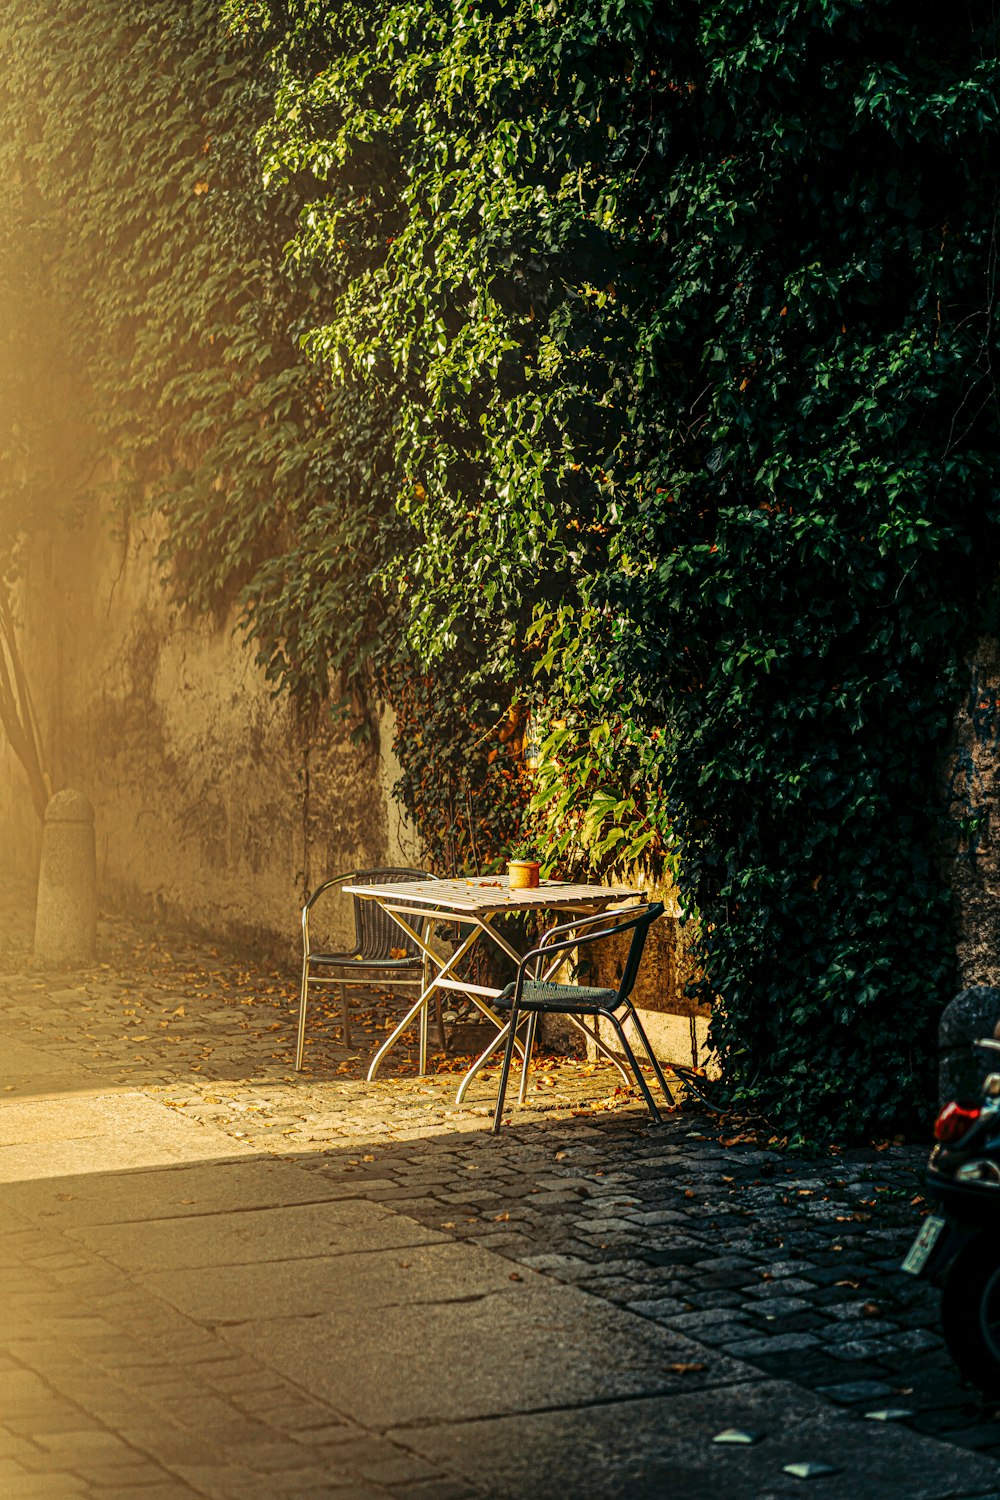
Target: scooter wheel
x,y
970,1313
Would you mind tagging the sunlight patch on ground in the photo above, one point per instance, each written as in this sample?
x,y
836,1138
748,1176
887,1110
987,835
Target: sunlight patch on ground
x,y
88,1132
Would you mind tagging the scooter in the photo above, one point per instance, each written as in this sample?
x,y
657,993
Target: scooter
x,y
959,1243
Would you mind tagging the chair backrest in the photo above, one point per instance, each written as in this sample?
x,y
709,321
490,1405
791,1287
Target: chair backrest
x,y
618,922
601,928
640,931
377,934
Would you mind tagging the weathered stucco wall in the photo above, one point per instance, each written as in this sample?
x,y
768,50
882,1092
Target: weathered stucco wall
x,y
211,805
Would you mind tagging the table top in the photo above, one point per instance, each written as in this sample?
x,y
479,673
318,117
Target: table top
x,y
482,895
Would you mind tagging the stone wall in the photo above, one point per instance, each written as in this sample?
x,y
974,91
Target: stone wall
x,y
212,806
974,795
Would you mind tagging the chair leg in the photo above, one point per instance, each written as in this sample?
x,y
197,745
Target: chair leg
x,y
438,1007
637,1071
424,1018
345,1011
300,1040
653,1060
529,1042
505,1070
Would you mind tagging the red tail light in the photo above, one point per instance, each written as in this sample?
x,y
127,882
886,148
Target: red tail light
x,y
953,1122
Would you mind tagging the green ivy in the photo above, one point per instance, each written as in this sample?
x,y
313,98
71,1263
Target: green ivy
x,y
152,272
685,319
597,802
462,779
627,367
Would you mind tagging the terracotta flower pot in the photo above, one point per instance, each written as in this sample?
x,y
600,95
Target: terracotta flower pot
x,y
523,874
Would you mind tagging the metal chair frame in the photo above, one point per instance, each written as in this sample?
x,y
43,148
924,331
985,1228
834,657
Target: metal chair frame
x,y
638,920
370,960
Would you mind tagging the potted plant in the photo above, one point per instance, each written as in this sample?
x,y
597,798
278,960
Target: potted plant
x,y
523,868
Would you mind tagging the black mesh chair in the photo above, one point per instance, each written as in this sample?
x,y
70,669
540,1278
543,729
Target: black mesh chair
x,y
530,996
382,953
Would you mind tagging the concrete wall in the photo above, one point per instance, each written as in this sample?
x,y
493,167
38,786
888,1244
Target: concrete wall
x,y
212,806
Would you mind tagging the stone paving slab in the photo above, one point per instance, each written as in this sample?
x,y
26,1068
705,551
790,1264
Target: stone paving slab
x,y
85,1115
27,1065
424,1317
473,1355
72,1133
176,1191
651,1448
355,1288
252,1236
88,1155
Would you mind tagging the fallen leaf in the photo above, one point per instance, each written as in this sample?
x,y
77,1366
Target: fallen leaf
x,y
683,1369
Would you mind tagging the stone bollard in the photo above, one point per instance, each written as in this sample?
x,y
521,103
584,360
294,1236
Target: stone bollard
x,y
66,912
962,1066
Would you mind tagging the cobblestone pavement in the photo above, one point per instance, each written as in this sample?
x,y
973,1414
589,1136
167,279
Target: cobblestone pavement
x,y
703,1227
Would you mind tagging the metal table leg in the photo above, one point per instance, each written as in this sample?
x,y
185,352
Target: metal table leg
x,y
419,1008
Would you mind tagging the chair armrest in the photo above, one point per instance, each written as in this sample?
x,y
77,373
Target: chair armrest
x,y
624,912
334,880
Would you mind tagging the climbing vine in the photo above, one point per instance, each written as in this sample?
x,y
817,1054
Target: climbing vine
x,y
143,227
138,215
462,780
622,373
686,320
